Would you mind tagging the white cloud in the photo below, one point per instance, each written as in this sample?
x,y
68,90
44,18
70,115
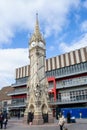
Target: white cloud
x,y
10,60
84,26
85,4
51,48
20,14
82,42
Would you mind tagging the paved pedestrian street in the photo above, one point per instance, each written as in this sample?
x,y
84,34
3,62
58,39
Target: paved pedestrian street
x,y
15,124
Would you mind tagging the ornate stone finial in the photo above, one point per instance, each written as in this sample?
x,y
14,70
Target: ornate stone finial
x,y
37,20
37,35
37,31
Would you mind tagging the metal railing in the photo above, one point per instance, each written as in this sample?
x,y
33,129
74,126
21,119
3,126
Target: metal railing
x,y
72,100
19,104
18,91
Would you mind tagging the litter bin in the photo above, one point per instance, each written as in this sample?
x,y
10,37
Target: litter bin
x,y
73,120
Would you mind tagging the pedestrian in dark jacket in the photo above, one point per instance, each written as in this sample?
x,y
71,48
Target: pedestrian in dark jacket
x,y
5,120
1,120
68,117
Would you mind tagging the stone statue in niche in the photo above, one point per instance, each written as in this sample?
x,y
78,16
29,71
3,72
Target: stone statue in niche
x,y
37,92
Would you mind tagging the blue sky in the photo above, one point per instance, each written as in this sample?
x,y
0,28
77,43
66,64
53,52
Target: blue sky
x,y
62,22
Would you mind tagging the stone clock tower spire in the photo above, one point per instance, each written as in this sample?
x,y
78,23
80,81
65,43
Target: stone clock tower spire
x,y
37,35
37,102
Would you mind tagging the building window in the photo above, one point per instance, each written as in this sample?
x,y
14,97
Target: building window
x,y
5,104
59,97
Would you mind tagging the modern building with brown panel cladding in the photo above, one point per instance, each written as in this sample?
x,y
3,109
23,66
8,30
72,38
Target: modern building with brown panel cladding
x,y
67,80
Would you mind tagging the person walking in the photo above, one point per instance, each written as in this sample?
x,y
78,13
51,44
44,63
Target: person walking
x,y
61,121
68,117
1,120
18,115
5,120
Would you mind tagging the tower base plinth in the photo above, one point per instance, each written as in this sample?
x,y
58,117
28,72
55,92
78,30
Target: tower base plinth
x,y
38,120
25,119
50,118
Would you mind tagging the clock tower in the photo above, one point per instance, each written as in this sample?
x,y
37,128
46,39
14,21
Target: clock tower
x,y
37,110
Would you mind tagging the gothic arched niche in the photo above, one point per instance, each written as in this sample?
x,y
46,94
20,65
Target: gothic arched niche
x,y
31,108
44,109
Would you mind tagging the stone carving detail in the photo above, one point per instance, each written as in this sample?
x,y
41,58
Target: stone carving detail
x,y
37,92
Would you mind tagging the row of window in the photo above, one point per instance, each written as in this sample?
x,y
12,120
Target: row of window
x,y
21,80
73,95
73,81
18,90
68,70
18,101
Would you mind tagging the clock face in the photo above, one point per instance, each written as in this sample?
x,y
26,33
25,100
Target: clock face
x,y
32,44
41,44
